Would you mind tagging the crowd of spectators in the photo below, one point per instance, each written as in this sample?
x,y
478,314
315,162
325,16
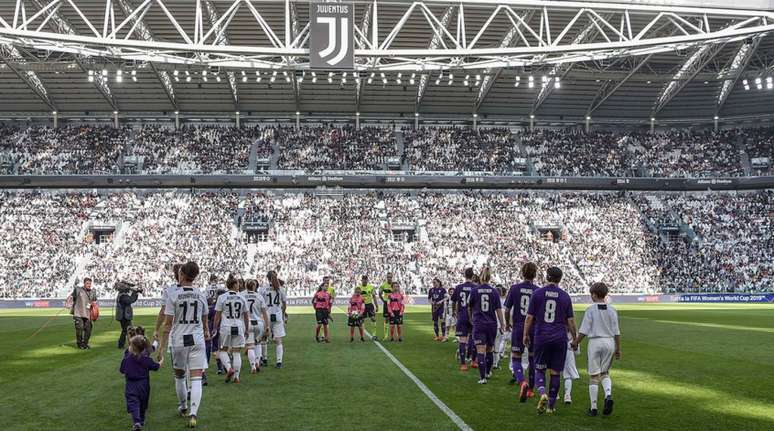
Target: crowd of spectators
x,y
155,149
200,149
40,241
44,239
458,148
330,147
69,150
734,247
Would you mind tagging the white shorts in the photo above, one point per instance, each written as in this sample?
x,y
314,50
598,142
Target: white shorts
x,y
189,358
570,369
255,332
233,341
277,329
600,355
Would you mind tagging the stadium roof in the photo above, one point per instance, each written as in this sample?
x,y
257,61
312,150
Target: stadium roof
x,y
606,60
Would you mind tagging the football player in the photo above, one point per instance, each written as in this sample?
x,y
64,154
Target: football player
x,y
232,321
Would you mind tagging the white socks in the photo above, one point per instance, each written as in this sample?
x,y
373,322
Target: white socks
x,y
224,359
593,394
182,390
237,363
280,351
263,350
607,385
251,356
567,386
196,394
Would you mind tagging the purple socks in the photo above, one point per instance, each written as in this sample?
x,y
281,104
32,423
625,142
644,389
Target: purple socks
x,y
518,371
553,390
482,365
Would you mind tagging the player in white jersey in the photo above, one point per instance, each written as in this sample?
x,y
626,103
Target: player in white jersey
x,y
256,333
185,326
161,316
232,322
600,326
276,301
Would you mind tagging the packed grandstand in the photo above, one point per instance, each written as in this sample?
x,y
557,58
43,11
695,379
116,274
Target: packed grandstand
x,y
154,149
706,242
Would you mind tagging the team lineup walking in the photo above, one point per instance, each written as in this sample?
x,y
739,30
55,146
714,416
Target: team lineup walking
x,y
241,317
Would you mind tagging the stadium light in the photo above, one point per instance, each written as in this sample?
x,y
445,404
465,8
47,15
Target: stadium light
x,y
588,118
330,77
357,114
716,117
115,112
298,112
91,76
177,112
557,84
217,78
188,79
119,76
104,72
416,114
531,82
134,76
175,72
532,116
746,85
53,112
652,118
518,81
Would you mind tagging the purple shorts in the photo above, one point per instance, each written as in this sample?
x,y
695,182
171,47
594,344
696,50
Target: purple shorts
x,y
485,335
517,339
464,328
438,312
550,354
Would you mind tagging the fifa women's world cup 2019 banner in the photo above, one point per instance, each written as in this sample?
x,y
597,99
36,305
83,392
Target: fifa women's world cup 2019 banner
x,y
727,297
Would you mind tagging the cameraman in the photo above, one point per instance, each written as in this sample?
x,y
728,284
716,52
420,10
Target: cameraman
x,y
127,295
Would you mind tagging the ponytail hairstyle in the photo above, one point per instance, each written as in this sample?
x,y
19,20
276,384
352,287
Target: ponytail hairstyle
x,y
138,345
189,271
486,275
251,285
231,282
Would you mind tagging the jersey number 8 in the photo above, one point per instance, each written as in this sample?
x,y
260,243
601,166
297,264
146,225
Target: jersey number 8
x,y
550,314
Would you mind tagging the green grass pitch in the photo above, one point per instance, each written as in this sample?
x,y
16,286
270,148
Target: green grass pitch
x,y
684,367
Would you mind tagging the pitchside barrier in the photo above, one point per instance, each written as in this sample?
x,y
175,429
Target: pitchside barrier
x,y
422,300
385,181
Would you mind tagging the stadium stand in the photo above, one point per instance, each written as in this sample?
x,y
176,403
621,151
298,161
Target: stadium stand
x,y
206,149
417,237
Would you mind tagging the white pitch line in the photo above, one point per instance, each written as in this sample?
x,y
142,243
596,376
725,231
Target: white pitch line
x,y
444,408
440,404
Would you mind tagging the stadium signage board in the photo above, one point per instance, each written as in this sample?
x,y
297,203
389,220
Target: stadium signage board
x,y
332,37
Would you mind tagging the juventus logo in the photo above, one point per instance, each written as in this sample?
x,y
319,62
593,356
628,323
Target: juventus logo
x,y
332,39
343,40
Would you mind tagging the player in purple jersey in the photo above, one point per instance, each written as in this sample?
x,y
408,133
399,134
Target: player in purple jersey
x,y
485,310
518,300
550,312
437,298
464,329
